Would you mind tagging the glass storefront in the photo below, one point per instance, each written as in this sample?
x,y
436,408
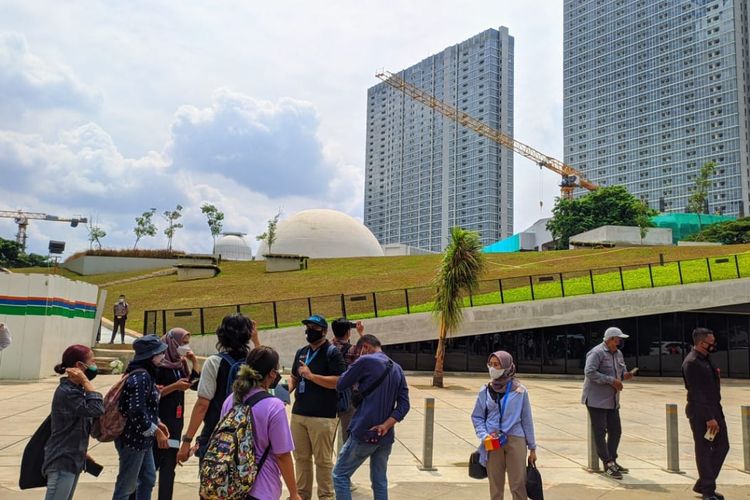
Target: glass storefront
x,y
657,345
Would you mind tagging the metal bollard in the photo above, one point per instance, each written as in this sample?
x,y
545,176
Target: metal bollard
x,y
429,430
745,410
673,440
593,455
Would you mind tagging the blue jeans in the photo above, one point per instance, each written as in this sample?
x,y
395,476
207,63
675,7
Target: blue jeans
x,y
352,455
60,485
137,473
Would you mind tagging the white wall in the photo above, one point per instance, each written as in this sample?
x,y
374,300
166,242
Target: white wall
x,y
96,264
36,308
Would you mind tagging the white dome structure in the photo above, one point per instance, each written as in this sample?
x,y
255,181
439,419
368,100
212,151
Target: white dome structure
x,y
232,246
323,234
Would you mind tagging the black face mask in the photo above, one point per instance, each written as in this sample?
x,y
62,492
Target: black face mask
x,y
276,381
313,336
90,373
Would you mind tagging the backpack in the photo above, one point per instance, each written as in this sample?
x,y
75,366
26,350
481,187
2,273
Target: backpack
x,y
109,426
344,402
234,367
229,468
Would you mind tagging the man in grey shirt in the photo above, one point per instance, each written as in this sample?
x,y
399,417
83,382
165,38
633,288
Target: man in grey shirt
x,y
605,370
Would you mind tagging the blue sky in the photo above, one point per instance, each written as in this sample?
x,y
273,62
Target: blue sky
x,y
111,108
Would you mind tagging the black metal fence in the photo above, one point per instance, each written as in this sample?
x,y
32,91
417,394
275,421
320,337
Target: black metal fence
x,y
288,312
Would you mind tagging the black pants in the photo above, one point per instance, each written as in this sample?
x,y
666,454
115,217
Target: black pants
x,y
166,462
709,455
118,323
607,432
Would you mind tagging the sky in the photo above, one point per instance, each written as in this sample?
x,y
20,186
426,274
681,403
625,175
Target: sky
x,y
108,109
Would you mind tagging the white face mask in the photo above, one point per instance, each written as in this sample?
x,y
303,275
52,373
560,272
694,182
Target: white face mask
x,y
496,373
183,349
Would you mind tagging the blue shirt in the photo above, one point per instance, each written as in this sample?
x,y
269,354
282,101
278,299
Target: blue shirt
x,y
517,420
139,402
389,399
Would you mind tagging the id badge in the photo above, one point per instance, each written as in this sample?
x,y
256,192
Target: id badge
x,y
301,387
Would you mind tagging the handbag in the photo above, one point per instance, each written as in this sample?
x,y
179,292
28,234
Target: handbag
x,y
534,488
476,469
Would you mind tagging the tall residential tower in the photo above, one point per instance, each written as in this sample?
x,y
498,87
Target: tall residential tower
x,y
426,173
654,89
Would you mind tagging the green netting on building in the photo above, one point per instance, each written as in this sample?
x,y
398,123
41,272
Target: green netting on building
x,y
684,225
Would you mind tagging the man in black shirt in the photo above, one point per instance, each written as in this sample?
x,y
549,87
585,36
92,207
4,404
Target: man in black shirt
x,y
705,413
315,371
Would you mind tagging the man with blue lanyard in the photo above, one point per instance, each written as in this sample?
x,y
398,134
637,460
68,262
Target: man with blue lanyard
x,y
315,371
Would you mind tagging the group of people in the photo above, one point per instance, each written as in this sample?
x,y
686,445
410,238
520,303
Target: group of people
x,y
337,385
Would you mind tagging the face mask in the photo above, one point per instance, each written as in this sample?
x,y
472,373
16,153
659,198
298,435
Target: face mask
x,y
156,360
313,336
711,348
91,372
183,349
496,373
276,381
122,300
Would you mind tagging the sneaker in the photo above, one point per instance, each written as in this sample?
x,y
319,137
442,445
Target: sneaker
x,y
612,471
712,497
622,469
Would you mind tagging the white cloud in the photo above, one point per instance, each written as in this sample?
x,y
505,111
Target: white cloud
x,y
28,82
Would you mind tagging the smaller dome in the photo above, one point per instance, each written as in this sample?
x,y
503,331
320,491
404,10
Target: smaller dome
x,y
232,246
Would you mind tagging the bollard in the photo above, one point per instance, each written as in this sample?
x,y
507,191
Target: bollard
x,y
673,440
746,436
593,455
429,429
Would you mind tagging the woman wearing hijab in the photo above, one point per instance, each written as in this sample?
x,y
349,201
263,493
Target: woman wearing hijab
x,y
74,407
175,376
503,423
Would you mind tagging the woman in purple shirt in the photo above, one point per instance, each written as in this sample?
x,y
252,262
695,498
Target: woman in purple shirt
x,y
260,373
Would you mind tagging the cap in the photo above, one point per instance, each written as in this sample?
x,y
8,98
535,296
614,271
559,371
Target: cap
x,y
613,331
147,347
316,319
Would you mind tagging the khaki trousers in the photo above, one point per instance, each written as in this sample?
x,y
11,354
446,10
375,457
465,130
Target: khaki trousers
x,y
313,438
511,458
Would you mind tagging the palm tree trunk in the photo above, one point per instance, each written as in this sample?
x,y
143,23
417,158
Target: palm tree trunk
x,y
437,376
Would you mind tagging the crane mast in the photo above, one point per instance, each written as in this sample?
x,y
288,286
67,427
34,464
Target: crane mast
x,y
571,178
22,218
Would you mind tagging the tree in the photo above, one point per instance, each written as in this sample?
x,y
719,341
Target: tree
x,y
462,263
270,235
12,255
96,233
612,205
728,233
171,217
215,219
698,199
144,226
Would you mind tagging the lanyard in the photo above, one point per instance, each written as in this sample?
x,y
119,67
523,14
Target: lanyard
x,y
309,358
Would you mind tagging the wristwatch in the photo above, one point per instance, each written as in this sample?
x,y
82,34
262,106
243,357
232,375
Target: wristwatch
x,y
187,439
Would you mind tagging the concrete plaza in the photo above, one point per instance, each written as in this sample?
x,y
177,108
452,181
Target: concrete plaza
x,y
561,435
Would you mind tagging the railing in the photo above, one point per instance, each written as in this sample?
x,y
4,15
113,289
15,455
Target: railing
x,y
288,312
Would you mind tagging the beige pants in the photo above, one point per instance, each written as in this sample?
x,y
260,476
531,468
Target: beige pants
x,y
313,438
511,458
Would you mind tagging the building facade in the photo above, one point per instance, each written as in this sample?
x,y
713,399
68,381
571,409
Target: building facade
x,y
426,173
654,89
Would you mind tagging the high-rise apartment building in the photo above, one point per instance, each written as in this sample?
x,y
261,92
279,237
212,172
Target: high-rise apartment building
x,y
653,90
426,173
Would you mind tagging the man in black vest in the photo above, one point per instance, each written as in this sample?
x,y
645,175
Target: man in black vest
x,y
705,413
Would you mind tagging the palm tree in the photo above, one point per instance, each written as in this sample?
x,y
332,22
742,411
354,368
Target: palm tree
x,y
458,274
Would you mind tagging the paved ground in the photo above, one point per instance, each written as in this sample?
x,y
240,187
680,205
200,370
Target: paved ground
x,y
561,434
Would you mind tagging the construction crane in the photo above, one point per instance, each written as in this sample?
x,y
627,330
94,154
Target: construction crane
x,y
22,219
571,178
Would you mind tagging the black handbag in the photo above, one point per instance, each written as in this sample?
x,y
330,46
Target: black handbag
x,y
33,458
476,470
534,488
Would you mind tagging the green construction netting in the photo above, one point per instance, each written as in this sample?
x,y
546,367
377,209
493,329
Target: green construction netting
x,y
684,225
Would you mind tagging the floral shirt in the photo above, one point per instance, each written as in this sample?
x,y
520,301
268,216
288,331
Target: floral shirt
x,y
139,402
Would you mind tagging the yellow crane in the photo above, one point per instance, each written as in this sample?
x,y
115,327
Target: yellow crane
x,y
571,178
22,219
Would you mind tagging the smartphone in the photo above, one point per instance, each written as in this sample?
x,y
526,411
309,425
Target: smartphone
x,y
634,371
93,468
372,437
173,443
709,435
